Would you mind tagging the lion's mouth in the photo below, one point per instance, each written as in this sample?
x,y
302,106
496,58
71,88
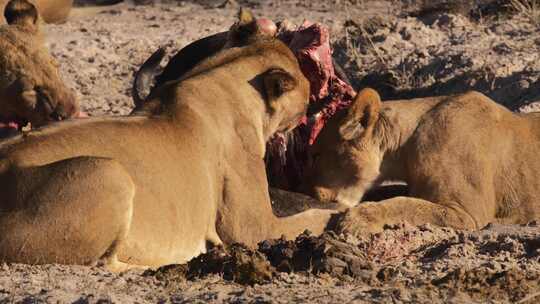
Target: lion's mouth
x,y
10,125
277,146
280,141
14,124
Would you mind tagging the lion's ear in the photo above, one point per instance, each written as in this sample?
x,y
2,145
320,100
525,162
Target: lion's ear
x,y
242,30
362,115
245,16
21,12
277,81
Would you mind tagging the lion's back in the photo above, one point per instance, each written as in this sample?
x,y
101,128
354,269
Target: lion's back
x,y
470,118
473,138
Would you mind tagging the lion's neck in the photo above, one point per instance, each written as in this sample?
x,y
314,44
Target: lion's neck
x,y
397,124
234,125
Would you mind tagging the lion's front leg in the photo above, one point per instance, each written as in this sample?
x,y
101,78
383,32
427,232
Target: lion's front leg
x,y
371,217
246,214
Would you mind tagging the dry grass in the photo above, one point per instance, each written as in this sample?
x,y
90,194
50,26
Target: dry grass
x,y
529,9
400,77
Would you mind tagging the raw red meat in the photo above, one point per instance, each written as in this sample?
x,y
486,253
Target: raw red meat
x,y
287,155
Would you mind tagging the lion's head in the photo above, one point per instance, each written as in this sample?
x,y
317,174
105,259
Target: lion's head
x,y
30,83
347,154
265,66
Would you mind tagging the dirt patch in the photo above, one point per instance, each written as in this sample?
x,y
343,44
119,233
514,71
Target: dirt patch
x,y
325,254
499,263
512,284
237,263
426,264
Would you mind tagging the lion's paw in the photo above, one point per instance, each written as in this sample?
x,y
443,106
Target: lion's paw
x,y
362,220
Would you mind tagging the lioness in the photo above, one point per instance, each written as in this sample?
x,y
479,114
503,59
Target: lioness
x,y
52,11
467,161
31,89
150,191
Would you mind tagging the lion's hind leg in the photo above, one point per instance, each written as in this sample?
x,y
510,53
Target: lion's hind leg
x,y
74,211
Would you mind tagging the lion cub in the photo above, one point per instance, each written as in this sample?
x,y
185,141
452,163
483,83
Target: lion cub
x,y
31,89
467,160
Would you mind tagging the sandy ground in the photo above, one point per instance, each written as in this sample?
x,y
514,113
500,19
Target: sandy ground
x,y
379,45
400,265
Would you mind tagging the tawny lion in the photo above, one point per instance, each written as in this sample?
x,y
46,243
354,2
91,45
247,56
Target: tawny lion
x,y
467,160
150,191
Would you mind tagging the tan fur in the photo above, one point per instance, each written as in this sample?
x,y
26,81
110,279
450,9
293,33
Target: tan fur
x,y
467,160
30,85
196,171
51,11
